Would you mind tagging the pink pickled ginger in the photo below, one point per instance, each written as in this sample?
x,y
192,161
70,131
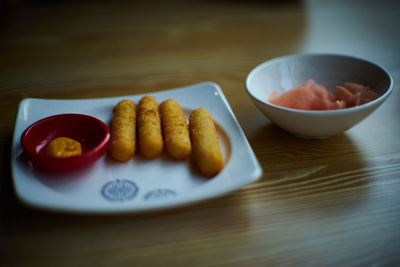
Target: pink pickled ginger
x,y
312,96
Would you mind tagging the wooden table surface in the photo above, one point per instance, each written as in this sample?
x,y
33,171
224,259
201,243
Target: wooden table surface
x,y
318,203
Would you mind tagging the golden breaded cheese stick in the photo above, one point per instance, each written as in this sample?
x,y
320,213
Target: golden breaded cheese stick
x,y
206,150
123,131
150,139
175,130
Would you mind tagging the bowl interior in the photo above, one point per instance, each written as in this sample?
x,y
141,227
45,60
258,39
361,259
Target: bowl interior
x,y
283,73
87,130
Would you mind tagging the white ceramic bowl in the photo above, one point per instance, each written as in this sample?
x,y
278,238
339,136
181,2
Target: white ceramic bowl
x,y
283,73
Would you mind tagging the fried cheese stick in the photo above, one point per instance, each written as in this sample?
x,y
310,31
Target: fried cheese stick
x,y
175,130
123,131
150,139
206,151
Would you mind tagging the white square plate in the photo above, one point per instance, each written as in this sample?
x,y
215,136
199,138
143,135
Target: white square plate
x,y
139,184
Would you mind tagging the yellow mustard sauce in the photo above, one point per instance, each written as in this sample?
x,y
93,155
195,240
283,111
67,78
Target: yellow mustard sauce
x,y
63,147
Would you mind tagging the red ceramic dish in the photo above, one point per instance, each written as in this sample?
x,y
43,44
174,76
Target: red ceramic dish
x,y
92,133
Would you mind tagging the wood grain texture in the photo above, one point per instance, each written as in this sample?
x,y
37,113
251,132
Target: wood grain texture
x,y
318,203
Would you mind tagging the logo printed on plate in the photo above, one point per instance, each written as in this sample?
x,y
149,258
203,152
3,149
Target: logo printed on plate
x,y
119,190
159,194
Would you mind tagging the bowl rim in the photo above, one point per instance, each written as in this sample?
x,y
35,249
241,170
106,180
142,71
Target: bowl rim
x,y
374,102
88,153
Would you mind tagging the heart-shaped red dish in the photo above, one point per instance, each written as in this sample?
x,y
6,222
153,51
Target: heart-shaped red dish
x,y
92,133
